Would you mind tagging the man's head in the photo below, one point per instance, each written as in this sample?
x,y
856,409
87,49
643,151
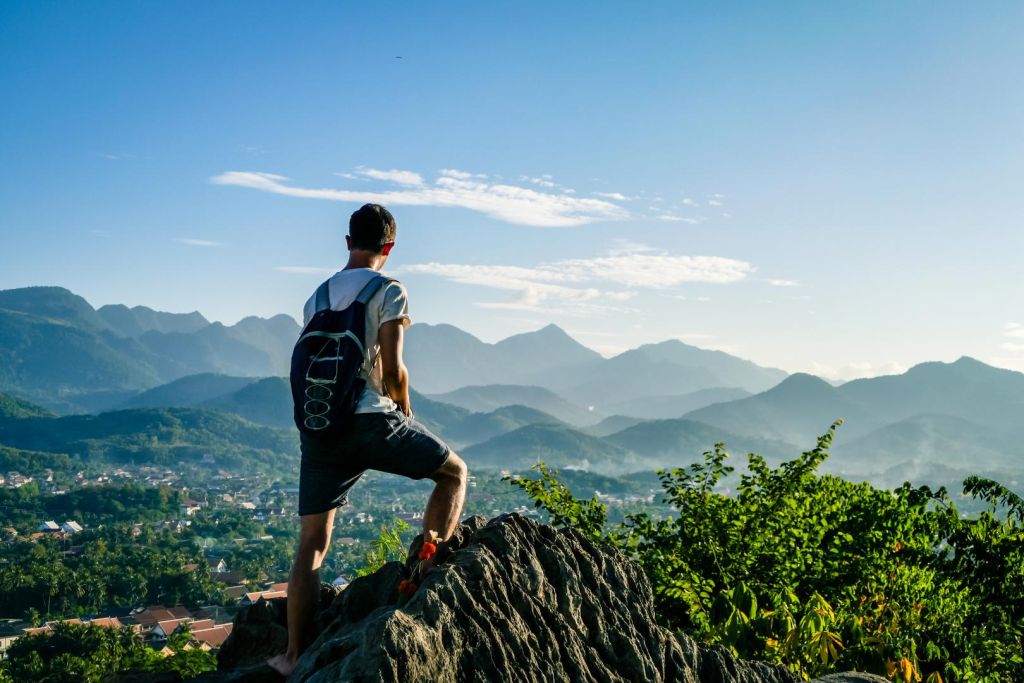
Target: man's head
x,y
372,229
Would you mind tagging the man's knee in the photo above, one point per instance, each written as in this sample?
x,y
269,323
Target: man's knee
x,y
454,469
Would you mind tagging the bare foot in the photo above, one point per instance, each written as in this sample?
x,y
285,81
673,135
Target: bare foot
x,y
282,664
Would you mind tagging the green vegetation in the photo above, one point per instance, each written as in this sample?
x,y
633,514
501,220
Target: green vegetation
x,y
820,574
76,652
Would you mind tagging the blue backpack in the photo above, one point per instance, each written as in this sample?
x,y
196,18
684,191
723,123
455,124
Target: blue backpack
x,y
327,375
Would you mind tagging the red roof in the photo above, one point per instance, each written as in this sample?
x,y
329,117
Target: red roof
x,y
212,636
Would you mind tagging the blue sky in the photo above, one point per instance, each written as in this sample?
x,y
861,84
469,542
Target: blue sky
x,y
832,187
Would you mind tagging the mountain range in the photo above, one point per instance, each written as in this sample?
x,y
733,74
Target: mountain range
x,y
534,396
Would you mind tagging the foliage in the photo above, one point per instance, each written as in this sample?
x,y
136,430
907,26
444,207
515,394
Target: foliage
x,y
388,547
77,652
820,574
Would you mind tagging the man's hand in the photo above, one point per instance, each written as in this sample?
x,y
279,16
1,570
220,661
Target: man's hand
x,y
392,368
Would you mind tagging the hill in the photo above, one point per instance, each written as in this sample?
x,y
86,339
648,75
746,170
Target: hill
x,y
796,411
679,442
557,445
666,407
13,407
490,397
168,437
191,390
267,401
442,358
132,322
670,368
612,424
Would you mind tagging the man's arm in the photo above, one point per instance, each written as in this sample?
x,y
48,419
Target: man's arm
x,y
393,370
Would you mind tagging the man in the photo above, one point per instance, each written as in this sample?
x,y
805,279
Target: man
x,y
382,435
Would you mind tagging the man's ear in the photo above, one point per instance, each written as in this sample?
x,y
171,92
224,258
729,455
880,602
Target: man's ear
x,y
387,248
348,242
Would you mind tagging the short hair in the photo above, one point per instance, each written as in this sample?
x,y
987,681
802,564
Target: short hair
x,y
371,227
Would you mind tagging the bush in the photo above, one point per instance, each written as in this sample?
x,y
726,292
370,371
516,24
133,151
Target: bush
x,y
820,574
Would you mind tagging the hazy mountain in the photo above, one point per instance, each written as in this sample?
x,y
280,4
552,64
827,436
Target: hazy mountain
x,y
493,396
667,407
192,390
680,442
460,427
442,358
926,440
796,411
612,424
670,368
557,445
132,322
967,388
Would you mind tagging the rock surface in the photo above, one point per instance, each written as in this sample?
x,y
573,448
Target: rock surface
x,y
512,600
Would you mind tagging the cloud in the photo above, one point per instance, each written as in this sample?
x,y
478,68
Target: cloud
x,y
1011,346
854,371
621,247
679,219
306,270
784,283
587,282
690,202
198,243
1013,330
714,202
400,177
461,175
617,196
509,203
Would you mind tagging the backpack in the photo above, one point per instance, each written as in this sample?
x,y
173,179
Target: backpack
x,y
327,375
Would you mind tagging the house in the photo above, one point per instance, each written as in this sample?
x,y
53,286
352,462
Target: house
x,y
164,629
71,527
253,598
234,592
340,581
217,564
227,577
213,637
189,509
49,526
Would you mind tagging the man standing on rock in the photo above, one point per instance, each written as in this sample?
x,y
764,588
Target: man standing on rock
x,y
382,434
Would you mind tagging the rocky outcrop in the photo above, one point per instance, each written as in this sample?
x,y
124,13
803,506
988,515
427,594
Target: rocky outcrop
x,y
512,600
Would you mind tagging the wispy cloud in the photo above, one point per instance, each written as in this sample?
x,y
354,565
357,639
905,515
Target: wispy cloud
x,y
714,202
510,203
400,177
679,219
617,196
198,243
461,175
588,281
784,283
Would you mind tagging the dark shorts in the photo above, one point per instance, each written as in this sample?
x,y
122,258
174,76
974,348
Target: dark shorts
x,y
385,442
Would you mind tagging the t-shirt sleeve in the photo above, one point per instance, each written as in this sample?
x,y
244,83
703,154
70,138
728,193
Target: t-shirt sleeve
x,y
395,304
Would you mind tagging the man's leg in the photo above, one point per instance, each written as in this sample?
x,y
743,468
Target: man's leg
x,y
445,505
304,587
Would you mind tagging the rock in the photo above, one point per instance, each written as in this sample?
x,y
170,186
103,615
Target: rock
x,y
513,601
851,677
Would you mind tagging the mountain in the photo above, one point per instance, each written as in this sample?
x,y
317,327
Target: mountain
x,y
670,368
192,390
666,407
612,424
132,322
490,397
56,350
796,411
442,358
967,389
930,440
55,303
460,427
557,445
12,407
679,442
267,401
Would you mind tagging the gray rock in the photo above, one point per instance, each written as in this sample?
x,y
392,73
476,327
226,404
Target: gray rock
x,y
851,677
513,601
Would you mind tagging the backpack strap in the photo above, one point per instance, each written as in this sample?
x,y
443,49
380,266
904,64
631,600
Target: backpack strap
x,y
323,297
371,288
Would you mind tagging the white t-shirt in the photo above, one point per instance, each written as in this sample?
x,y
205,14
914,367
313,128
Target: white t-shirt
x,y
391,302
